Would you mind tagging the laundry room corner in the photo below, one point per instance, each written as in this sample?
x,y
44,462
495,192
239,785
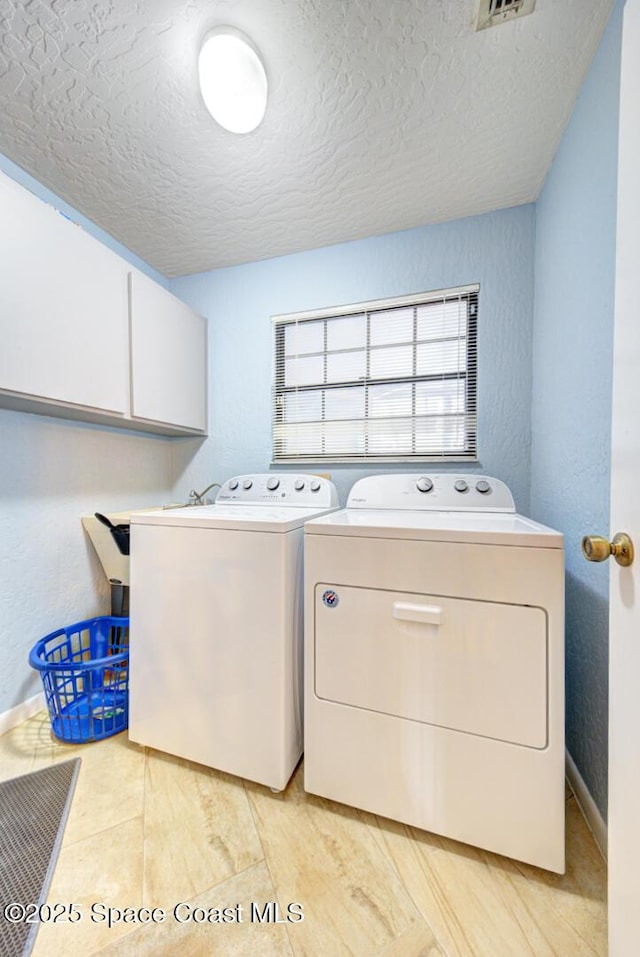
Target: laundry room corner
x,y
318,332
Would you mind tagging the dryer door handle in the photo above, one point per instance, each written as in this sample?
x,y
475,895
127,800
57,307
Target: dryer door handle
x,y
425,614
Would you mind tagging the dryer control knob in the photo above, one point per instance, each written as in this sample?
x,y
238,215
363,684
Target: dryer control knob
x,y
233,484
272,484
298,485
247,484
424,484
315,486
483,487
461,486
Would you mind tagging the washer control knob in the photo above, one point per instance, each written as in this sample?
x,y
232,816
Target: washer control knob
x,y
272,484
315,485
424,484
483,487
298,485
233,484
461,486
247,484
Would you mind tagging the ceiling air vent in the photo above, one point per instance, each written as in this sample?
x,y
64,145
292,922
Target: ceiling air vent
x,y
494,12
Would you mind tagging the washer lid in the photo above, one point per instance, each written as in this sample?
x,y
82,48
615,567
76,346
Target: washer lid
x,y
480,528
248,518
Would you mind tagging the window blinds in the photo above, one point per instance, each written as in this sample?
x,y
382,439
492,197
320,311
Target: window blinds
x,y
389,380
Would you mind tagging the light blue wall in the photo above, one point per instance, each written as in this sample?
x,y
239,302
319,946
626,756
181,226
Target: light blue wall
x,y
571,404
495,250
28,181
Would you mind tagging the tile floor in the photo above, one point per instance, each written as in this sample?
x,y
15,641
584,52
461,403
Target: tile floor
x,y
149,829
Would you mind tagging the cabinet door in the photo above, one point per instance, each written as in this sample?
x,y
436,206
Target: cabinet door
x,y
168,357
63,307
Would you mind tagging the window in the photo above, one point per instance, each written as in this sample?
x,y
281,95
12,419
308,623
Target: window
x,y
385,381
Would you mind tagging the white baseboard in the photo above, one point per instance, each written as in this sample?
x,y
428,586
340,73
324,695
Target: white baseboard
x,y
15,716
589,808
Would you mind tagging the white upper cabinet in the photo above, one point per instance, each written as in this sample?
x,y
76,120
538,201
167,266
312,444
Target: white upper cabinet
x,y
168,357
63,307
86,336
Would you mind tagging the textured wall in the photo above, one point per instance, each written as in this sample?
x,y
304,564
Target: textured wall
x,y
495,250
571,407
51,472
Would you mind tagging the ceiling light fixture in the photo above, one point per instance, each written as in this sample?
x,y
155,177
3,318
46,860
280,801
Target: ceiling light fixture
x,y
233,81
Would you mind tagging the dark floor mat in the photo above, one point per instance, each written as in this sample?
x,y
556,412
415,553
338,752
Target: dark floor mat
x,y
33,813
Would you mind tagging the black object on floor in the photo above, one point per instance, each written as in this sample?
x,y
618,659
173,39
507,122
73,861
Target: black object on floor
x,y
33,813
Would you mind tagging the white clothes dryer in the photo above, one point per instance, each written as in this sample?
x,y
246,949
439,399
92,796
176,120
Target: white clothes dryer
x,y
216,625
434,662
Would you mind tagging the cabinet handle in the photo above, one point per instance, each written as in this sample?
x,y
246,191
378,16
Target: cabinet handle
x,y
425,614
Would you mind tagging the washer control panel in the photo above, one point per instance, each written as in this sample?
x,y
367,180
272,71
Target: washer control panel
x,y
436,491
282,488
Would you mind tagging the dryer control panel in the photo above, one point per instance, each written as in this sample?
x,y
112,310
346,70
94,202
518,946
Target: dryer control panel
x,y
282,488
433,491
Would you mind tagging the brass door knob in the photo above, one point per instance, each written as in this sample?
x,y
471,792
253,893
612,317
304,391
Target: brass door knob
x,y
595,548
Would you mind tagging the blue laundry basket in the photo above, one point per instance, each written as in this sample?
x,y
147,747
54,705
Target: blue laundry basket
x,y
85,673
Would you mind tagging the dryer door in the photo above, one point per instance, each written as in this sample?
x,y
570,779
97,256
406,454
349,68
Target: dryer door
x,y
478,667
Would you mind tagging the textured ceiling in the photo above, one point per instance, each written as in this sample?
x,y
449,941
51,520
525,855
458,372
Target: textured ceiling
x,y
383,114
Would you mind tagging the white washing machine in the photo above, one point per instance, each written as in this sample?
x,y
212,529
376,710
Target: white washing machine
x,y
216,625
434,662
